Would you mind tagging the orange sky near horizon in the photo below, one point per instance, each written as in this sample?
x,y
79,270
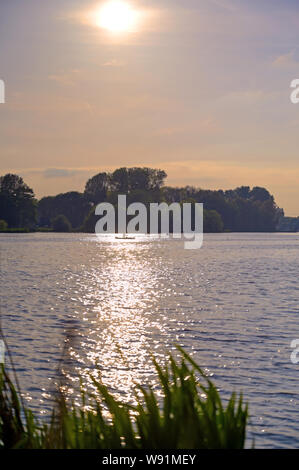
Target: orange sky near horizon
x,y
200,89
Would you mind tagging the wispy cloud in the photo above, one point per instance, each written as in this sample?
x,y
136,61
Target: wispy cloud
x,y
286,61
227,5
58,173
114,63
202,126
67,78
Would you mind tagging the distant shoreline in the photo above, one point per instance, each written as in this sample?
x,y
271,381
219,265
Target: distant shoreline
x,y
43,230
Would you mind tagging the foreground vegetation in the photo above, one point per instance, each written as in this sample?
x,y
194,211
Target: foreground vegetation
x,y
191,415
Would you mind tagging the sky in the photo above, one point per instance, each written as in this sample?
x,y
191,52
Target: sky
x,y
199,88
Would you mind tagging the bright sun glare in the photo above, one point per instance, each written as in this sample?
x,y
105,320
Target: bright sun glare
x,y
116,16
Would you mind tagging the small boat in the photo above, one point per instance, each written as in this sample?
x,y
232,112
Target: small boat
x,y
125,237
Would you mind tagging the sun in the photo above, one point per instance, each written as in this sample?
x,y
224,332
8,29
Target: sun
x,y
116,16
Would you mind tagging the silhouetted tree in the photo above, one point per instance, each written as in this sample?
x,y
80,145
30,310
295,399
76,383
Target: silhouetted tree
x,y
17,202
260,194
243,192
72,205
61,224
120,181
126,180
96,188
240,209
3,225
212,222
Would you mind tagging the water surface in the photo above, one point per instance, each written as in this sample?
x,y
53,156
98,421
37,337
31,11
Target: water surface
x,y
233,304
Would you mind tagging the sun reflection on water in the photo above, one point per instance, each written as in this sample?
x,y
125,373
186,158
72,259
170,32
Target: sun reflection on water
x,y
119,324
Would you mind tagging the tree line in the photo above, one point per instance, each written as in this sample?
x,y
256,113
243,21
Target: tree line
x,y
238,210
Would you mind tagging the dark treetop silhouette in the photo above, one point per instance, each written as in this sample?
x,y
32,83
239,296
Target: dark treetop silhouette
x,y
240,210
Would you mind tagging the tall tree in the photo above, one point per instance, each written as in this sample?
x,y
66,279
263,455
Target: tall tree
x,y
72,205
260,194
17,202
61,224
125,180
96,188
120,181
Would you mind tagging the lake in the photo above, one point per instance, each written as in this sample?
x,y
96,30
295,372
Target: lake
x,y
233,305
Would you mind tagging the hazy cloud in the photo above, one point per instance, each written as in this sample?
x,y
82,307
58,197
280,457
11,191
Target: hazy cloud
x,y
114,63
286,60
65,78
58,173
